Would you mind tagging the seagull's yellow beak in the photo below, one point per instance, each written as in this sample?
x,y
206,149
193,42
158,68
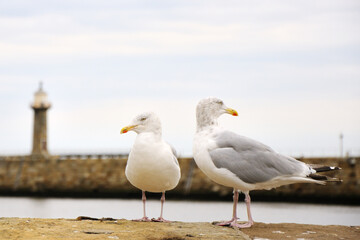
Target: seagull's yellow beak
x,y
231,111
127,128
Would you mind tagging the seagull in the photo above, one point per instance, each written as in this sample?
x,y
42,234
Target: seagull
x,y
152,165
244,164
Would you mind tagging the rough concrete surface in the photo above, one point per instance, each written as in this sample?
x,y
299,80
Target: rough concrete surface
x,y
35,228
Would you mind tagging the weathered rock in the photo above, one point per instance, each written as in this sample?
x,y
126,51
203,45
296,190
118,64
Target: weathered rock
x,y
34,228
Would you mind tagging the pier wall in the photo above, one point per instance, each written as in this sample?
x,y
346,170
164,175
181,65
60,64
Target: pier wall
x,y
102,175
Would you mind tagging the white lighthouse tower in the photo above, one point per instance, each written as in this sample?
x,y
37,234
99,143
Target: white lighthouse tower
x,y
40,106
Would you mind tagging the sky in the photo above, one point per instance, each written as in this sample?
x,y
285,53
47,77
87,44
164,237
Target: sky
x,y
290,68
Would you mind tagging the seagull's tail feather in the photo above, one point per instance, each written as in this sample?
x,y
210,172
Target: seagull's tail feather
x,y
318,177
323,177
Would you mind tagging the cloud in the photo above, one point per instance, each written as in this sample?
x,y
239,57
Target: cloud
x,y
150,31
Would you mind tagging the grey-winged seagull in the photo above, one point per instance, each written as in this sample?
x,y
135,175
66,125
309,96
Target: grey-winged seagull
x,y
152,165
242,163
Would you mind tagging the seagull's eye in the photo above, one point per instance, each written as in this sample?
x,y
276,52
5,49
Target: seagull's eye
x,y
220,102
143,119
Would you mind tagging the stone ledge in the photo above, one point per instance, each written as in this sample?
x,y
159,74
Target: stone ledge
x,y
35,228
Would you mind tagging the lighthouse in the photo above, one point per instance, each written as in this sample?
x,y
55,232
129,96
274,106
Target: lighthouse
x,y
40,107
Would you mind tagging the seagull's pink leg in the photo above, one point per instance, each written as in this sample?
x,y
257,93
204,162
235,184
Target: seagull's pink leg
x,y
161,219
144,218
248,202
234,217
233,221
250,220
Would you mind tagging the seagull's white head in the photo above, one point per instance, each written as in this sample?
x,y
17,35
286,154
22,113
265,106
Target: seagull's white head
x,y
145,122
209,110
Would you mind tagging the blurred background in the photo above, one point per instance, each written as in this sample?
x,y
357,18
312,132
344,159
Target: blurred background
x,y
290,68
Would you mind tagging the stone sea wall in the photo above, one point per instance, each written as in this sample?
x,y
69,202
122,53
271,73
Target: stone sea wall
x,y
104,175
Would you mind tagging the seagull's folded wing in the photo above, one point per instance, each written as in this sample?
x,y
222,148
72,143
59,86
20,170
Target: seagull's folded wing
x,y
252,161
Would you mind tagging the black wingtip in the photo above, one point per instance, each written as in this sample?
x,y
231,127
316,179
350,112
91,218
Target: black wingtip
x,y
326,169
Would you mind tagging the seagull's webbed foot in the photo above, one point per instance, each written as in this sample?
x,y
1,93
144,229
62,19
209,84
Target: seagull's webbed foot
x,y
244,225
225,223
233,223
144,219
160,219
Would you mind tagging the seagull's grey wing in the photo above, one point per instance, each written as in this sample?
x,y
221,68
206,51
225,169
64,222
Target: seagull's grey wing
x,y
251,161
238,142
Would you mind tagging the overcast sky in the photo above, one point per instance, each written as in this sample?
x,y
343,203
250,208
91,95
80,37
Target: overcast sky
x,y
290,68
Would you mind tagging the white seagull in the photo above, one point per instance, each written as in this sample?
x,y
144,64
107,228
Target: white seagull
x,y
242,163
152,165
